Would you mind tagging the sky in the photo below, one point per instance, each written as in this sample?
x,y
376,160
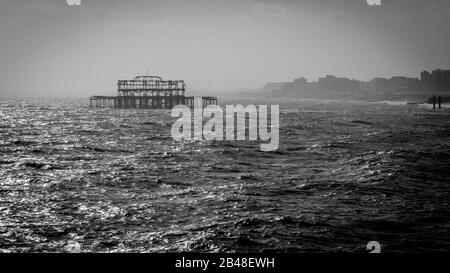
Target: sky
x,y
49,48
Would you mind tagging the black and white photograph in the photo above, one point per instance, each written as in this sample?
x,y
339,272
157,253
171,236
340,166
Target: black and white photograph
x,y
250,127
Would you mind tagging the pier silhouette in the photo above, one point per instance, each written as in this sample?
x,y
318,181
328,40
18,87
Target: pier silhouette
x,y
149,92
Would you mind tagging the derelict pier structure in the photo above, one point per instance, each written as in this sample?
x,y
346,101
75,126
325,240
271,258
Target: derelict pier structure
x,y
148,92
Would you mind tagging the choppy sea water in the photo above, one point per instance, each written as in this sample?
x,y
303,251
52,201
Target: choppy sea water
x,y
74,178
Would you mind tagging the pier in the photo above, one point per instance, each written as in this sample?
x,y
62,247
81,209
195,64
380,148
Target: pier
x,y
148,92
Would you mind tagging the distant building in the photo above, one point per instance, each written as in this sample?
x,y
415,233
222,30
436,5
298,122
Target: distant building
x,y
403,84
303,88
398,84
436,81
301,82
379,86
364,88
424,80
288,88
273,86
338,85
440,80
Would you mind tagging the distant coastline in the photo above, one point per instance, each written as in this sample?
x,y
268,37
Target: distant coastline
x,y
408,99
397,88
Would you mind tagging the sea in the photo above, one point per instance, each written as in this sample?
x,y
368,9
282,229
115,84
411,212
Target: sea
x,y
81,179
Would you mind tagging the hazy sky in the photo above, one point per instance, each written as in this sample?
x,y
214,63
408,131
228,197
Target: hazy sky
x,y
50,48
